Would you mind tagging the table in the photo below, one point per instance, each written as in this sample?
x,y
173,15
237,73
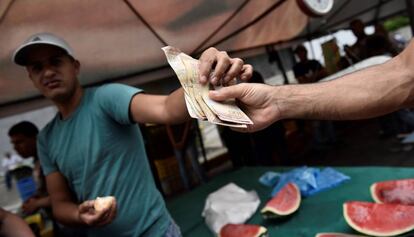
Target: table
x,y
319,213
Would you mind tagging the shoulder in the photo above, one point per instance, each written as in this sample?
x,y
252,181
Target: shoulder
x,y
114,100
46,130
114,88
114,93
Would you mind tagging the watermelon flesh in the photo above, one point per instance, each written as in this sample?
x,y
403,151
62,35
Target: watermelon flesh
x,y
242,230
284,203
394,191
336,235
379,219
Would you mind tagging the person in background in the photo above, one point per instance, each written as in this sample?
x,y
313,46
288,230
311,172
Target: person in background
x,y
307,70
358,51
386,45
367,46
23,136
12,225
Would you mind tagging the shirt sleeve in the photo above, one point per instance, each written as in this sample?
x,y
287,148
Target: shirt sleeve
x,y
48,166
115,100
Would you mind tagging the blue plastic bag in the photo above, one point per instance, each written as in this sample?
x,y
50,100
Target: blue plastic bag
x,y
310,181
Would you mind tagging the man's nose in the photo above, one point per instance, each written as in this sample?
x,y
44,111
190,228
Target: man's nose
x,y
49,71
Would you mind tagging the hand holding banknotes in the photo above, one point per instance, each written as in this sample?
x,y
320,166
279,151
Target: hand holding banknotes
x,y
367,93
218,69
225,68
258,103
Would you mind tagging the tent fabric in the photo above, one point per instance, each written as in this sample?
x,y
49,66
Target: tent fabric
x,y
120,40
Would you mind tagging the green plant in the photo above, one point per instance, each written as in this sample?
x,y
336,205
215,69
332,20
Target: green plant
x,y
396,23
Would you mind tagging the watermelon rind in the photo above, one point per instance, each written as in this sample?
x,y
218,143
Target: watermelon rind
x,y
373,233
333,234
269,212
378,185
374,196
262,231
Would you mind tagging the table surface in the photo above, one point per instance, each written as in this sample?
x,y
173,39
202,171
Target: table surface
x,y
319,213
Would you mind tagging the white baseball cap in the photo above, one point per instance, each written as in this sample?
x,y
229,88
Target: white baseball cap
x,y
19,56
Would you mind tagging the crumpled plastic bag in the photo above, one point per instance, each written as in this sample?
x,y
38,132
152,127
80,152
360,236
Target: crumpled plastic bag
x,y
310,181
229,204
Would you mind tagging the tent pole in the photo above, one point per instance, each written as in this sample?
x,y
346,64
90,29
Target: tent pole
x,y
274,56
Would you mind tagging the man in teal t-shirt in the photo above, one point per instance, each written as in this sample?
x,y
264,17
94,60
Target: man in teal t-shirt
x,y
92,148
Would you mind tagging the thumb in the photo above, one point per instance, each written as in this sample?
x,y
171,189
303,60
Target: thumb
x,y
86,206
228,92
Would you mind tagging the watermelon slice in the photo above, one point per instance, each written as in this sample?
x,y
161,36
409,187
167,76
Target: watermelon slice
x,y
394,191
379,219
286,202
336,235
243,230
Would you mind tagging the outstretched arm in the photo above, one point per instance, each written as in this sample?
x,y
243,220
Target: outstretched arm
x,y
172,109
367,93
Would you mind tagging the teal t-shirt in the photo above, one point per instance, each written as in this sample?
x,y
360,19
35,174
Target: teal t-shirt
x,y
101,152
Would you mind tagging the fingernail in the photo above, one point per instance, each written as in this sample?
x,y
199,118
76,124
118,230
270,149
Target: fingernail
x,y
227,78
214,80
203,79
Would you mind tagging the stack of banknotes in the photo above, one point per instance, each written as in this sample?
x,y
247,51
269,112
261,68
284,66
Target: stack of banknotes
x,y
198,103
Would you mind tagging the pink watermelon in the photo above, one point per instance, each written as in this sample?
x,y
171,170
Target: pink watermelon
x,y
336,235
242,230
286,202
394,191
379,219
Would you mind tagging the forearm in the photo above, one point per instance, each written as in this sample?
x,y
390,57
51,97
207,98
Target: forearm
x,y
160,109
368,93
176,108
44,202
67,213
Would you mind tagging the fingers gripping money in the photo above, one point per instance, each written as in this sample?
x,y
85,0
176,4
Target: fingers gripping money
x,y
198,103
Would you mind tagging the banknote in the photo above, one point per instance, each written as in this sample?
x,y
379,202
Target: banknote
x,y
198,103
